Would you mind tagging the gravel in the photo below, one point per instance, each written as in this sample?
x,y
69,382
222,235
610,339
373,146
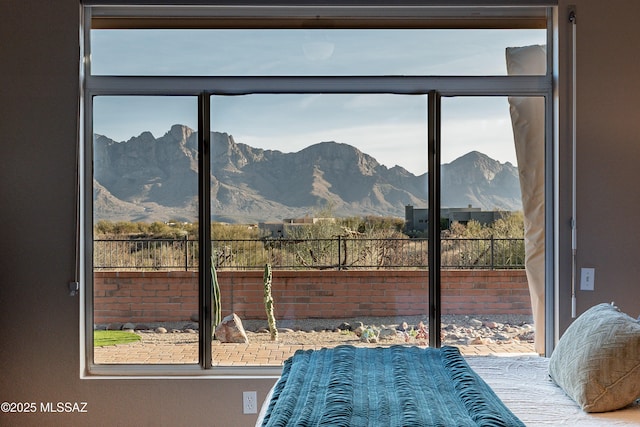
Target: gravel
x,y
456,330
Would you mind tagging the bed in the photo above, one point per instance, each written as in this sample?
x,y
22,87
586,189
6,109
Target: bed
x,y
522,383
524,386
591,379
384,386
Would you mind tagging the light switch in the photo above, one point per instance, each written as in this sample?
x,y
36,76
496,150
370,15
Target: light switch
x,y
587,276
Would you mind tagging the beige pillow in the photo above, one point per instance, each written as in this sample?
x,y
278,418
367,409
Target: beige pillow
x,y
597,360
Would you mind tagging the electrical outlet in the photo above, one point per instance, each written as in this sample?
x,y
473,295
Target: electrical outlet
x,y
249,402
587,277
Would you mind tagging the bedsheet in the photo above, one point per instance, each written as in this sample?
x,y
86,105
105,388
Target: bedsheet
x,y
398,386
524,386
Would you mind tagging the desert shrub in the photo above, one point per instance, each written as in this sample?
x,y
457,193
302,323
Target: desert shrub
x,y
511,225
223,231
171,229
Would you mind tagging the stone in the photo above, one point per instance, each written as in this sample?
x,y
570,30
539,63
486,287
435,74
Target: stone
x,y
114,326
493,325
475,341
128,326
344,326
230,330
387,333
161,330
454,337
403,327
475,323
526,336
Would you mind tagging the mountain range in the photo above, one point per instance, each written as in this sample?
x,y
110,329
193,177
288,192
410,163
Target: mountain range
x,y
155,179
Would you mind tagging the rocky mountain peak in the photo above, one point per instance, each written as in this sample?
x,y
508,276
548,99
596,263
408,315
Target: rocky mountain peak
x,y
478,180
180,133
149,179
474,166
339,157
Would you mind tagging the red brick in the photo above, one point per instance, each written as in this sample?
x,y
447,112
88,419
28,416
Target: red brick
x,y
313,293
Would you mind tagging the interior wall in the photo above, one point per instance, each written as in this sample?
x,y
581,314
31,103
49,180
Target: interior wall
x,y
39,329
608,152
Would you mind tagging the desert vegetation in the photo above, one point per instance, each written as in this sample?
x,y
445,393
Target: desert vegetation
x,y
474,244
354,242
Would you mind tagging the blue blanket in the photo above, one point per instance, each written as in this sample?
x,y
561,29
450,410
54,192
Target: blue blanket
x,y
396,386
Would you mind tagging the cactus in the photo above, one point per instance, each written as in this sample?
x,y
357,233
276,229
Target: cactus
x,y
216,309
268,302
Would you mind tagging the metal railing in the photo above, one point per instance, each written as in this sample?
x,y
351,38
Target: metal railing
x,y
303,254
148,254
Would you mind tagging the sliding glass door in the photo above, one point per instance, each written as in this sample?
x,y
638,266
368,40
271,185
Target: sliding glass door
x,y
314,186
492,220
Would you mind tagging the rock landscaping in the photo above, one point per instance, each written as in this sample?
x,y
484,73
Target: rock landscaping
x,y
456,330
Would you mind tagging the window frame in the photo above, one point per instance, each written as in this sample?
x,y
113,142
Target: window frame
x,y
202,87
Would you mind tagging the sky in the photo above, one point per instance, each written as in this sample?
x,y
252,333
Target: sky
x,y
390,128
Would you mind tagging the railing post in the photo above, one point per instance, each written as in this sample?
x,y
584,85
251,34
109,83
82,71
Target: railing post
x,y
186,253
492,252
339,253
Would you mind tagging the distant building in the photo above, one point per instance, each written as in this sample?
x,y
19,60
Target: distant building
x,y
417,219
279,229
272,229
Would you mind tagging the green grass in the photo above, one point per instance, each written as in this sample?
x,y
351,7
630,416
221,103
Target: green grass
x,y
102,338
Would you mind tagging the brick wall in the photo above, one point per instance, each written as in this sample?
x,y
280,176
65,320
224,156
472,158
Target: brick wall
x,y
140,297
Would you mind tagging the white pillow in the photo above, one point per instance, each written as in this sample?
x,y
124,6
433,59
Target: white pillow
x,y
597,360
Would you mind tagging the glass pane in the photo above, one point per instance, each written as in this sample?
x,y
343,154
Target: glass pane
x,y
316,187
145,215
297,52
488,154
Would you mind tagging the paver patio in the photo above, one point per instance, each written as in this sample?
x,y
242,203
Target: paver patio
x,y
248,354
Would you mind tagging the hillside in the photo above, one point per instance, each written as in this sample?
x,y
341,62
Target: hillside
x,y
149,179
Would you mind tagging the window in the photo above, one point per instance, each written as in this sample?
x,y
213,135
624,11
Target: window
x,y
305,52
145,205
196,122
